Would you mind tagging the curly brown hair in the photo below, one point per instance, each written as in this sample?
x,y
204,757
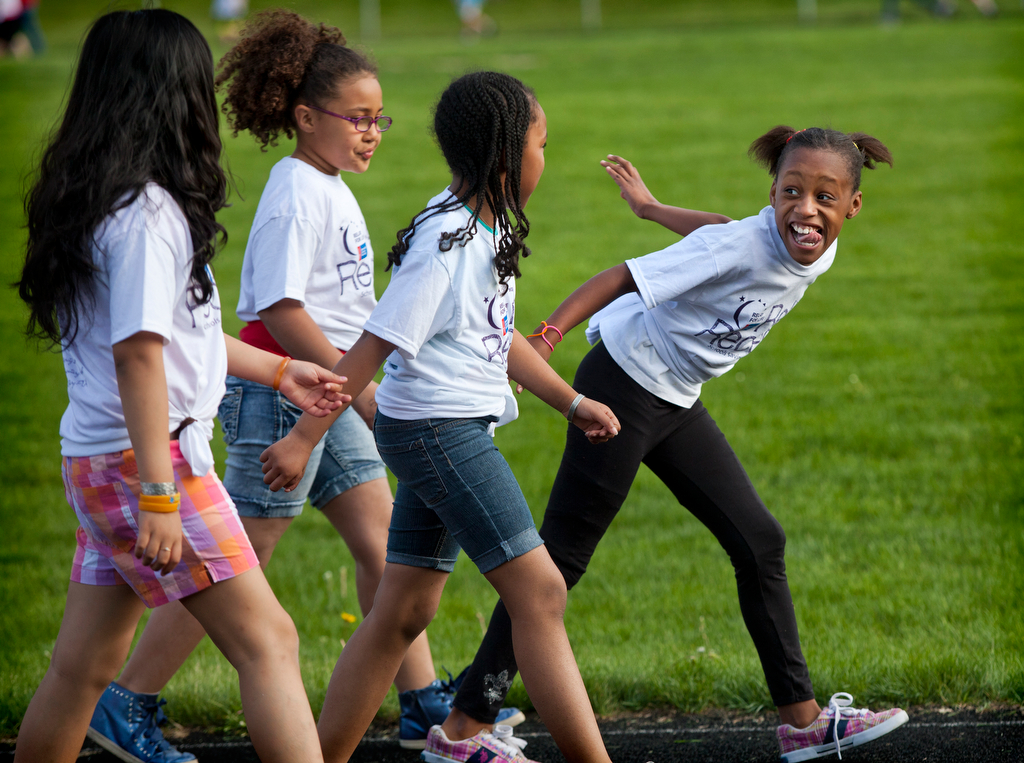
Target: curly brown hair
x,y
283,58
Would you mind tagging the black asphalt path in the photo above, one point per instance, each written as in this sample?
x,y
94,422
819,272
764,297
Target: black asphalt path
x,y
935,736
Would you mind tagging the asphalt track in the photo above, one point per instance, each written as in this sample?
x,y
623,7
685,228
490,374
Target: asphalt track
x,y
935,736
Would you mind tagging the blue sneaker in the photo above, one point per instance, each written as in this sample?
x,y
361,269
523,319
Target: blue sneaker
x,y
125,724
429,706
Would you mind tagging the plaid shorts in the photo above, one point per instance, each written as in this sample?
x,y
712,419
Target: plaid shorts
x,y
104,491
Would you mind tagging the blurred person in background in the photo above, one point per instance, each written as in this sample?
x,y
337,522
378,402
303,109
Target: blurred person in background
x,y
228,15
20,33
944,8
474,21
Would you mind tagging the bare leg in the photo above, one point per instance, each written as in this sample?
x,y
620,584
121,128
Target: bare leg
x,y
246,622
95,635
534,594
172,633
406,601
361,516
799,715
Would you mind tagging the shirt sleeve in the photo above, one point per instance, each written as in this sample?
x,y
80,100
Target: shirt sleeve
x,y
283,252
666,275
142,269
417,304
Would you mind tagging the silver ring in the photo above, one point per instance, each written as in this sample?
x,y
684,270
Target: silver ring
x,y
165,548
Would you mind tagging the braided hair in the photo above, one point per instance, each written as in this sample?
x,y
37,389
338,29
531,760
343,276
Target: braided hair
x,y
281,59
857,148
480,123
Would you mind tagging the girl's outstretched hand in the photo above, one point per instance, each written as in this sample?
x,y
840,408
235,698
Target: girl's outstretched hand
x,y
159,541
315,390
285,461
596,420
630,184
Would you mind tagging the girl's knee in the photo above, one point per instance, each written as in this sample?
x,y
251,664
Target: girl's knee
x,y
544,596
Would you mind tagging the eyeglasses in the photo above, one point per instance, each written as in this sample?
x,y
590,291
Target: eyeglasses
x,y
362,123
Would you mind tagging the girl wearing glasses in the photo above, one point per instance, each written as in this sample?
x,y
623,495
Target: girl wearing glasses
x,y
306,290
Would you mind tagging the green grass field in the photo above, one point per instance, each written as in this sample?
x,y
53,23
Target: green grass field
x,y
882,422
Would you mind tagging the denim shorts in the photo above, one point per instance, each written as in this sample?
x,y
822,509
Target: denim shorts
x,y
455,490
254,417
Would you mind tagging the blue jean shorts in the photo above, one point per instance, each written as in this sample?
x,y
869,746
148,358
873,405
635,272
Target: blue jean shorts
x,y
254,417
455,490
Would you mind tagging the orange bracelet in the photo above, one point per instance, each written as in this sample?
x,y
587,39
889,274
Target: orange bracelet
x,y
280,373
161,504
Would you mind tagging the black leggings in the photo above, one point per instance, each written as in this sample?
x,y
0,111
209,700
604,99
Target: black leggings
x,y
687,451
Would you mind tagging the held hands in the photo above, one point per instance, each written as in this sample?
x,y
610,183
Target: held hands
x,y
285,461
315,390
159,541
596,420
630,184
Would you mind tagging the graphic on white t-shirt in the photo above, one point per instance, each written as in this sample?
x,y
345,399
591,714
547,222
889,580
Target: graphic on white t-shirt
x,y
745,331
358,270
501,315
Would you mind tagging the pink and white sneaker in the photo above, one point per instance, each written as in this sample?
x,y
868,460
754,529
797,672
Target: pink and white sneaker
x,y
498,746
838,727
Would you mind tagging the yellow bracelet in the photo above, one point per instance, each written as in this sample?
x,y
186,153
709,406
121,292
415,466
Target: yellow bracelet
x,y
161,504
280,373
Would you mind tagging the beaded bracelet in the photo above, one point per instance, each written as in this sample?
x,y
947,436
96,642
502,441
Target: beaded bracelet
x,y
280,373
161,504
540,333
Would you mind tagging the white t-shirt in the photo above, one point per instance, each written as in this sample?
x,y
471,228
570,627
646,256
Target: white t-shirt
x,y
309,243
702,304
452,323
143,256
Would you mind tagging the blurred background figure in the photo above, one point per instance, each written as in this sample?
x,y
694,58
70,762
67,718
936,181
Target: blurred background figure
x,y
945,8
475,22
20,33
228,15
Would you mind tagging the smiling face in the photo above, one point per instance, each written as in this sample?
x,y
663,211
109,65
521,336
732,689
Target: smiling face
x,y
533,154
812,196
331,144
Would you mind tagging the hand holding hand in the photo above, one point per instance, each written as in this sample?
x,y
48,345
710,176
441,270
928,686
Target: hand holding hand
x,y
159,541
285,461
630,184
596,420
315,390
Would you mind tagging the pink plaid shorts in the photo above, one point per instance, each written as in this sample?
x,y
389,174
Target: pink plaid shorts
x,y
104,490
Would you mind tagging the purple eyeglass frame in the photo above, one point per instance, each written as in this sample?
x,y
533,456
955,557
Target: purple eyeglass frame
x,y
356,120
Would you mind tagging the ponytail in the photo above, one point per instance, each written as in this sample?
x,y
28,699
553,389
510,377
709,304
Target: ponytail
x,y
859,149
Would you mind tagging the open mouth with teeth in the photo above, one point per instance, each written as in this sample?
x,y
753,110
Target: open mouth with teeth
x,y
806,236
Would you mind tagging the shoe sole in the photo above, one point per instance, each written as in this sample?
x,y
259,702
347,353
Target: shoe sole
x,y
821,750
413,744
433,757
111,746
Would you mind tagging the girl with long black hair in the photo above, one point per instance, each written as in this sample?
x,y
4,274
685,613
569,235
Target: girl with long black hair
x,y
122,229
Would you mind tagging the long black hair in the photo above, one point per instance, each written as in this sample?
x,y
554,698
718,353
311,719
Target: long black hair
x,y
141,109
480,123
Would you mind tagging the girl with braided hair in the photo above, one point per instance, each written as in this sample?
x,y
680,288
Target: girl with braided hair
x,y
445,331
307,288
667,323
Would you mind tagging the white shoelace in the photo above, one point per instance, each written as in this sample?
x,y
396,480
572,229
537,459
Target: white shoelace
x,y
838,706
502,735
